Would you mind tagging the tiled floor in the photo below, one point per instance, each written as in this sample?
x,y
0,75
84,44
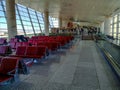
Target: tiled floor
x,y
80,67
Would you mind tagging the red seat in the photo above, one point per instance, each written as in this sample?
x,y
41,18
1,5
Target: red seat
x,y
30,51
48,45
54,45
13,40
41,51
4,50
8,70
25,44
20,51
3,41
13,45
23,65
18,44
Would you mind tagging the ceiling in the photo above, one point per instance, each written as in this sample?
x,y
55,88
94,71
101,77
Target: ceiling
x,y
93,11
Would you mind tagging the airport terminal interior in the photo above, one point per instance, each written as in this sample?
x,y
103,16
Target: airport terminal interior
x,y
59,45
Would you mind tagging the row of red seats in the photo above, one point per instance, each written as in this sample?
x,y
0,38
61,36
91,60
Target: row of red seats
x,y
51,37
39,37
51,46
30,52
14,45
35,39
52,43
60,39
10,68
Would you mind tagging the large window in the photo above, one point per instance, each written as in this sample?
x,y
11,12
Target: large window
x,y
111,26
55,22
51,22
115,26
29,22
3,23
41,21
24,19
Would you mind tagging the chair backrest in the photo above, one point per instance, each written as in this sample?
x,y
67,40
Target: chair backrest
x,y
18,44
41,50
31,50
8,64
21,50
3,50
3,40
13,45
25,44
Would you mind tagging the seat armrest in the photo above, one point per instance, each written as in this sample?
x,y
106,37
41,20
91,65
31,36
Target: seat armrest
x,y
11,72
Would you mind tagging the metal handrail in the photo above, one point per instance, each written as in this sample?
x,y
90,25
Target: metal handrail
x,y
111,60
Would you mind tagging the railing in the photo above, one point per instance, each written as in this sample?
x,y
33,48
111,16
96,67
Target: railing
x,y
111,60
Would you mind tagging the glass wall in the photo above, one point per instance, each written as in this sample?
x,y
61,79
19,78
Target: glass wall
x,y
41,21
115,26
111,26
51,22
119,26
55,22
29,22
3,23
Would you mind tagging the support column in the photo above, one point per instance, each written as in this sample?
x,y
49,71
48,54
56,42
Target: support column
x,y
60,22
11,18
107,26
102,28
46,19
64,23
117,33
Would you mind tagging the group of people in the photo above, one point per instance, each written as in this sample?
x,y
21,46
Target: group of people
x,y
92,31
89,30
78,30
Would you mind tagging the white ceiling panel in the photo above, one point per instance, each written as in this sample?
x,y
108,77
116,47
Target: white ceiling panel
x,y
81,10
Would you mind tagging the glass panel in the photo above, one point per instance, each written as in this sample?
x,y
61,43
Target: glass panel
x,y
55,22
28,29
3,2
3,25
115,30
17,17
119,29
115,18
1,13
1,7
114,35
3,30
111,21
20,30
119,36
18,22
119,16
2,19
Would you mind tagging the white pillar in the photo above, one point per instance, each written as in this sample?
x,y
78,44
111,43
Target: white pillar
x,y
60,22
11,18
102,28
46,18
107,26
64,23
